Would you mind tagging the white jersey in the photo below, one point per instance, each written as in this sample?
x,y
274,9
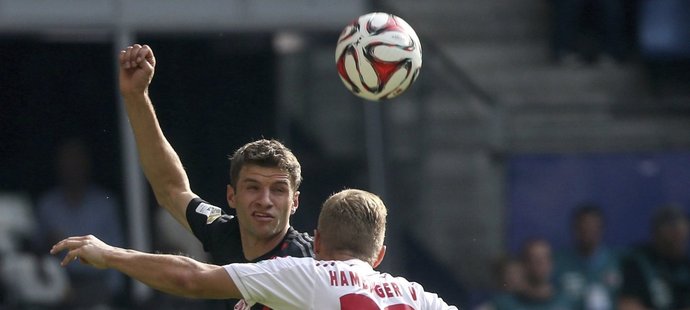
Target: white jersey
x,y
306,283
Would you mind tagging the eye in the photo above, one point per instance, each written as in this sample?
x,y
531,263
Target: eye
x,y
280,190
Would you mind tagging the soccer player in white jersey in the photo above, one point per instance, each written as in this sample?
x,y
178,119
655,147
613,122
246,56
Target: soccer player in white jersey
x,y
348,245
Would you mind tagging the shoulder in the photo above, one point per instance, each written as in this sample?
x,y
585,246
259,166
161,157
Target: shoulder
x,y
565,259
201,207
416,293
200,211
218,232
297,244
286,268
290,261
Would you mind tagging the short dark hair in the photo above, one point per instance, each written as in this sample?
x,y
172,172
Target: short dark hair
x,y
587,208
668,214
266,153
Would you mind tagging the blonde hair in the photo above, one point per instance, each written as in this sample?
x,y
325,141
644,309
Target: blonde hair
x,y
353,221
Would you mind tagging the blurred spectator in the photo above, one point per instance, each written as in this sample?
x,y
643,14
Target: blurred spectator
x,y
539,292
657,275
583,29
509,277
31,279
589,273
76,207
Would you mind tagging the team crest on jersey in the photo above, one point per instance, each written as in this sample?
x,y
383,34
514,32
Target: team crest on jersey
x,y
211,212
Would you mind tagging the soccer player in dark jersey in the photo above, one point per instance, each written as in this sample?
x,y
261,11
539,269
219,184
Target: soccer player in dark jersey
x,y
265,177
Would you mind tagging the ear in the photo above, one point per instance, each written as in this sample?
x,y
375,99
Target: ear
x,y
230,196
379,258
317,242
295,202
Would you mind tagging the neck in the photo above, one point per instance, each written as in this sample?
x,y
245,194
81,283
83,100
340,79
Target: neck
x,y
341,256
254,247
338,256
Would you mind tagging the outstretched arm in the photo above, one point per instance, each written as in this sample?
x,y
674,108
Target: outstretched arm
x,y
160,163
172,274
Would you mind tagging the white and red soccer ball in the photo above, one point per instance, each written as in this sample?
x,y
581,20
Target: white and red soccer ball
x,y
378,56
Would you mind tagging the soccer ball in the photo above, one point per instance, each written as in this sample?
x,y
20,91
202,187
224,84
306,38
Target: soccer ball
x,y
378,56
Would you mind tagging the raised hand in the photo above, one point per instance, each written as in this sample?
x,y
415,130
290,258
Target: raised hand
x,y
137,65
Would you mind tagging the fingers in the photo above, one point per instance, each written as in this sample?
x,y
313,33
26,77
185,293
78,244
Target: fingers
x,y
72,245
149,55
70,257
124,57
143,54
68,244
135,56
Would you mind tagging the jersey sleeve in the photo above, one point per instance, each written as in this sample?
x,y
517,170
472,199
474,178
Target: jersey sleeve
x,y
432,301
211,225
281,283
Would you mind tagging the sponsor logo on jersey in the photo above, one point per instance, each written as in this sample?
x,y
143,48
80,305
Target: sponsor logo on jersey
x,y
211,212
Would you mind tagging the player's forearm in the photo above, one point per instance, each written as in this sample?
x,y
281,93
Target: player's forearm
x,y
171,274
161,165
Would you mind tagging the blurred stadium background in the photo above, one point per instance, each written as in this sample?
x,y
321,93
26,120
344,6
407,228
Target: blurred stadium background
x,y
495,143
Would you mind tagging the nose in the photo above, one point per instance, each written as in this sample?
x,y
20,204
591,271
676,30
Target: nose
x,y
264,199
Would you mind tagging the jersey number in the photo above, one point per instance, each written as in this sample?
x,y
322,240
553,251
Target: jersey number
x,y
362,302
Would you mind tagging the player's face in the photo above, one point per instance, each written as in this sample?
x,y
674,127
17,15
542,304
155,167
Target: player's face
x,y
263,200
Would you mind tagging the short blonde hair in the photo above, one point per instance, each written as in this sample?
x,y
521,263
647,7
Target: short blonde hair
x,y
353,221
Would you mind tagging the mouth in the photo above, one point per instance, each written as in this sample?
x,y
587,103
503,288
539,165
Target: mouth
x,y
262,217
